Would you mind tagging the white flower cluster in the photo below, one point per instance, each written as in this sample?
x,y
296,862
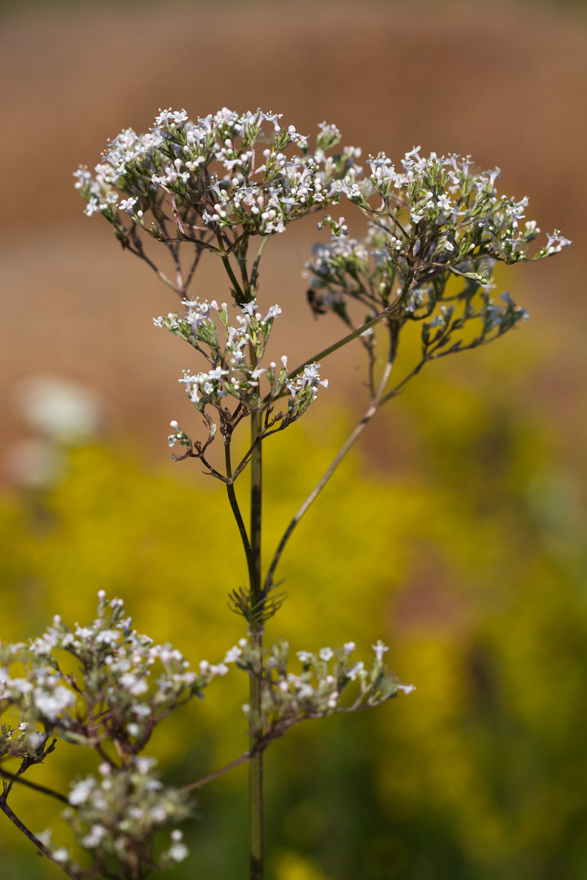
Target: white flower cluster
x,y
213,171
439,224
112,704
116,814
317,690
116,697
22,740
440,208
556,241
234,361
346,268
38,695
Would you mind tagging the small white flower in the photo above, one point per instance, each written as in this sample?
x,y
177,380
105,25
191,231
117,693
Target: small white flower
x,y
21,685
217,373
179,117
81,792
232,655
144,765
51,705
355,670
107,637
380,650
326,654
61,855
94,838
92,207
83,632
406,688
178,852
127,205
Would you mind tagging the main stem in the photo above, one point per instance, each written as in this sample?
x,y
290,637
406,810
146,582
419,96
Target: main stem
x,y
256,767
254,565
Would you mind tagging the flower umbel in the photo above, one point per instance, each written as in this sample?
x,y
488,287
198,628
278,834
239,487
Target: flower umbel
x,y
234,352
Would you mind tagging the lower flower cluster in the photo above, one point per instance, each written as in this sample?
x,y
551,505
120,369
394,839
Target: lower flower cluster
x,y
319,688
117,813
113,702
115,695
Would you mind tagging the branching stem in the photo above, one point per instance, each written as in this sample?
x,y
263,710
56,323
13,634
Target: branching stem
x,y
38,843
235,507
386,313
42,789
217,773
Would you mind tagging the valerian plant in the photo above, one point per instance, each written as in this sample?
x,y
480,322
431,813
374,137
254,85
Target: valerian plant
x,y
435,231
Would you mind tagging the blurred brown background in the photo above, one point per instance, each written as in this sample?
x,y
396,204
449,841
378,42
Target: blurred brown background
x,y
506,83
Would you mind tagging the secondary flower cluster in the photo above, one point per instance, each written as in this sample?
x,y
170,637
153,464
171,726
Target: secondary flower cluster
x,y
454,305
234,367
115,696
437,217
438,220
318,689
117,813
440,209
223,171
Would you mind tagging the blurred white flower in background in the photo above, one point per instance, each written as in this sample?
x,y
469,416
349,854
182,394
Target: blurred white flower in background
x,y
60,409
61,413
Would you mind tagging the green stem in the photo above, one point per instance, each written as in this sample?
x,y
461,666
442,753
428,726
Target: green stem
x,y
252,545
386,313
40,788
33,839
256,769
239,294
235,507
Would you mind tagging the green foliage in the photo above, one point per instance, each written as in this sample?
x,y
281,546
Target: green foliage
x,y
478,582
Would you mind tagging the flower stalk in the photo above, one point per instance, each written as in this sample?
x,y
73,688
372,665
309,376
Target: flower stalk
x,y
256,626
